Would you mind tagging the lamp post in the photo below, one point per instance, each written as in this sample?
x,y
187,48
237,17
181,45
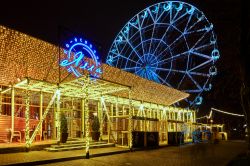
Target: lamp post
x,y
211,123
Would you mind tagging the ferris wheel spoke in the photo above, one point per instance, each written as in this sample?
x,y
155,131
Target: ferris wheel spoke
x,y
141,37
130,68
131,46
199,74
200,65
170,70
151,77
128,59
117,49
150,45
177,39
203,46
152,17
171,58
152,59
183,15
153,30
138,71
197,85
161,16
189,19
179,84
200,54
170,14
192,91
161,39
161,79
199,20
173,20
196,31
198,41
133,24
143,19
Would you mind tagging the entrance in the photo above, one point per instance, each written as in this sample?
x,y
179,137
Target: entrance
x,y
72,110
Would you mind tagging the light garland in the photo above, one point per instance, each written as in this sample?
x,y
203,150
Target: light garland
x,y
217,110
24,56
27,120
229,113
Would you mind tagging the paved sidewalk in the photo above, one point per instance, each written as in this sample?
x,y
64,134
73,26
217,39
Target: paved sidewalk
x,y
204,154
43,157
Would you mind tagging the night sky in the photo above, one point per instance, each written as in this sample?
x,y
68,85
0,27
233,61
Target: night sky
x,y
100,21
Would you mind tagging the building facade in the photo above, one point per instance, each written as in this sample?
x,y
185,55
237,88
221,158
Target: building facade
x,y
36,90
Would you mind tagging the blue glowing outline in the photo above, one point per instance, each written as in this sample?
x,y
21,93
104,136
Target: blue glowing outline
x,y
131,46
76,61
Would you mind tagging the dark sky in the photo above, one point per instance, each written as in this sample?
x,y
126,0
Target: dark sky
x,y
100,21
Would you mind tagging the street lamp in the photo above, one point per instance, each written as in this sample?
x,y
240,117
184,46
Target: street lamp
x,y
211,126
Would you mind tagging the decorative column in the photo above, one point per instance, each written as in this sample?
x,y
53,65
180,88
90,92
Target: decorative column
x,y
130,123
83,118
27,120
158,123
71,118
194,113
86,107
55,121
169,114
183,115
58,116
123,120
100,112
12,111
111,119
41,112
116,120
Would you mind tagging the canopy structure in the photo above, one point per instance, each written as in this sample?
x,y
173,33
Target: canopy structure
x,y
30,63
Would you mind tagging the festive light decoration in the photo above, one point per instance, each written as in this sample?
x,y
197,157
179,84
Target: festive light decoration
x,y
229,113
56,94
27,119
130,124
76,59
58,114
21,54
86,108
172,43
113,86
217,110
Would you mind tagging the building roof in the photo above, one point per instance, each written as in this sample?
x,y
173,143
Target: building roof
x,y
24,56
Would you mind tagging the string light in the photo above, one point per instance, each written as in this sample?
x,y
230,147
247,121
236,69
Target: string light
x,y
25,56
229,113
224,112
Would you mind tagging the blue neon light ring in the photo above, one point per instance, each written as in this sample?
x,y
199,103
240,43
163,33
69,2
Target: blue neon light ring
x,y
172,43
73,63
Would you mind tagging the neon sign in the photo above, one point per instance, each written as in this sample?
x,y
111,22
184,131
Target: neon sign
x,y
81,56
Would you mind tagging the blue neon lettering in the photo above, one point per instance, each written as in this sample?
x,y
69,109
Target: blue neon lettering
x,y
76,58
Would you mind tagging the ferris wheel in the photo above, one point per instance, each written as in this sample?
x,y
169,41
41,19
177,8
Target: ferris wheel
x,y
171,43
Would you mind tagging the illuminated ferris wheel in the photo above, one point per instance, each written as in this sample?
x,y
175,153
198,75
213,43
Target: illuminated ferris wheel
x,y
172,43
